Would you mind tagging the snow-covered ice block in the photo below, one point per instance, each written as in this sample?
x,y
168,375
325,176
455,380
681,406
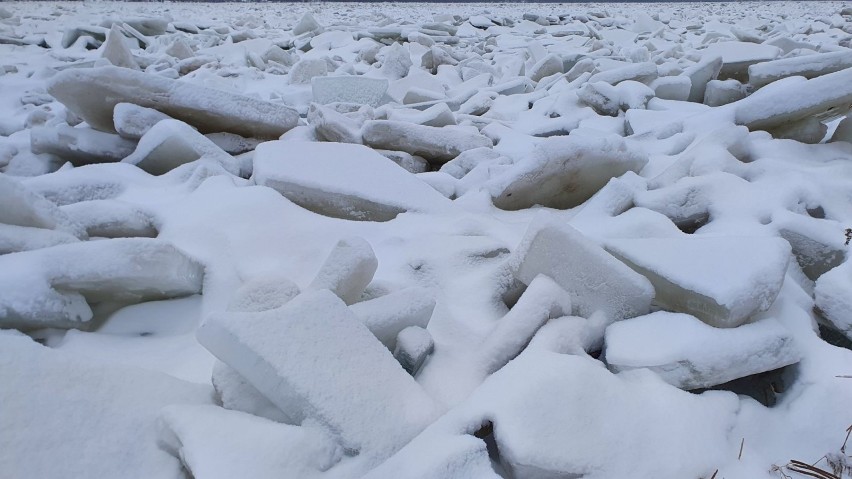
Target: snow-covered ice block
x,y
172,143
738,56
349,89
721,280
722,92
579,394
14,239
306,69
544,299
80,146
237,394
112,219
672,87
93,93
24,207
437,115
309,356
307,24
832,298
563,172
438,145
411,163
690,354
808,66
595,280
116,51
817,244
333,126
87,419
132,121
551,64
778,104
440,454
463,164
342,180
232,143
262,294
347,270
571,335
386,316
809,130
644,72
215,443
610,100
700,74
413,345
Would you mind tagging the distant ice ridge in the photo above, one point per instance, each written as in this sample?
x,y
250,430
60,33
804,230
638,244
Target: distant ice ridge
x,y
427,241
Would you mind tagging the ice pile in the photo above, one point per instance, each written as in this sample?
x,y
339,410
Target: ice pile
x,y
371,240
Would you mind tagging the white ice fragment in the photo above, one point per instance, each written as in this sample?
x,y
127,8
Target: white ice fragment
x,y
461,165
386,316
721,280
309,356
342,180
808,66
93,93
306,69
551,64
396,61
307,24
349,89
347,270
171,143
214,443
438,145
262,294
24,207
413,345
644,72
14,239
80,146
437,115
563,172
672,87
595,279
333,126
832,299
112,219
706,69
737,57
409,162
722,92
116,51
103,418
689,354
132,121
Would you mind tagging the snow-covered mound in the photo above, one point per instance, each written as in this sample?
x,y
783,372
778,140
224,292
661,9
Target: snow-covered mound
x,y
427,241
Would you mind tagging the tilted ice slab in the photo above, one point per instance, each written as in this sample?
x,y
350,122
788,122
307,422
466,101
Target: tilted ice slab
x,y
51,287
347,270
438,145
777,104
720,280
595,279
80,146
738,56
564,172
832,298
342,180
689,354
349,89
309,356
14,239
215,443
112,219
808,66
85,419
93,93
24,207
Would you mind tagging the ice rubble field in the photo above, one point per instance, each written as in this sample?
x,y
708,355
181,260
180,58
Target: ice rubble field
x,y
425,241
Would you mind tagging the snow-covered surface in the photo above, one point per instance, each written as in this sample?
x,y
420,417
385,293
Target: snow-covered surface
x,y
420,240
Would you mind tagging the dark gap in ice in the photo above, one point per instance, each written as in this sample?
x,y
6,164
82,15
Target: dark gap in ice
x,y
691,224
833,337
816,212
762,387
512,293
486,433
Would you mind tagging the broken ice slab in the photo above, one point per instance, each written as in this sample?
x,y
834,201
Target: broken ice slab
x,y
436,115
24,207
780,103
808,66
93,93
641,72
172,143
700,74
96,412
689,354
438,145
347,270
262,294
333,126
308,356
563,172
213,442
342,180
722,92
116,51
80,146
551,64
237,394
737,57
413,345
386,316
112,219
595,279
832,298
579,393
349,89
132,121
720,280
14,239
